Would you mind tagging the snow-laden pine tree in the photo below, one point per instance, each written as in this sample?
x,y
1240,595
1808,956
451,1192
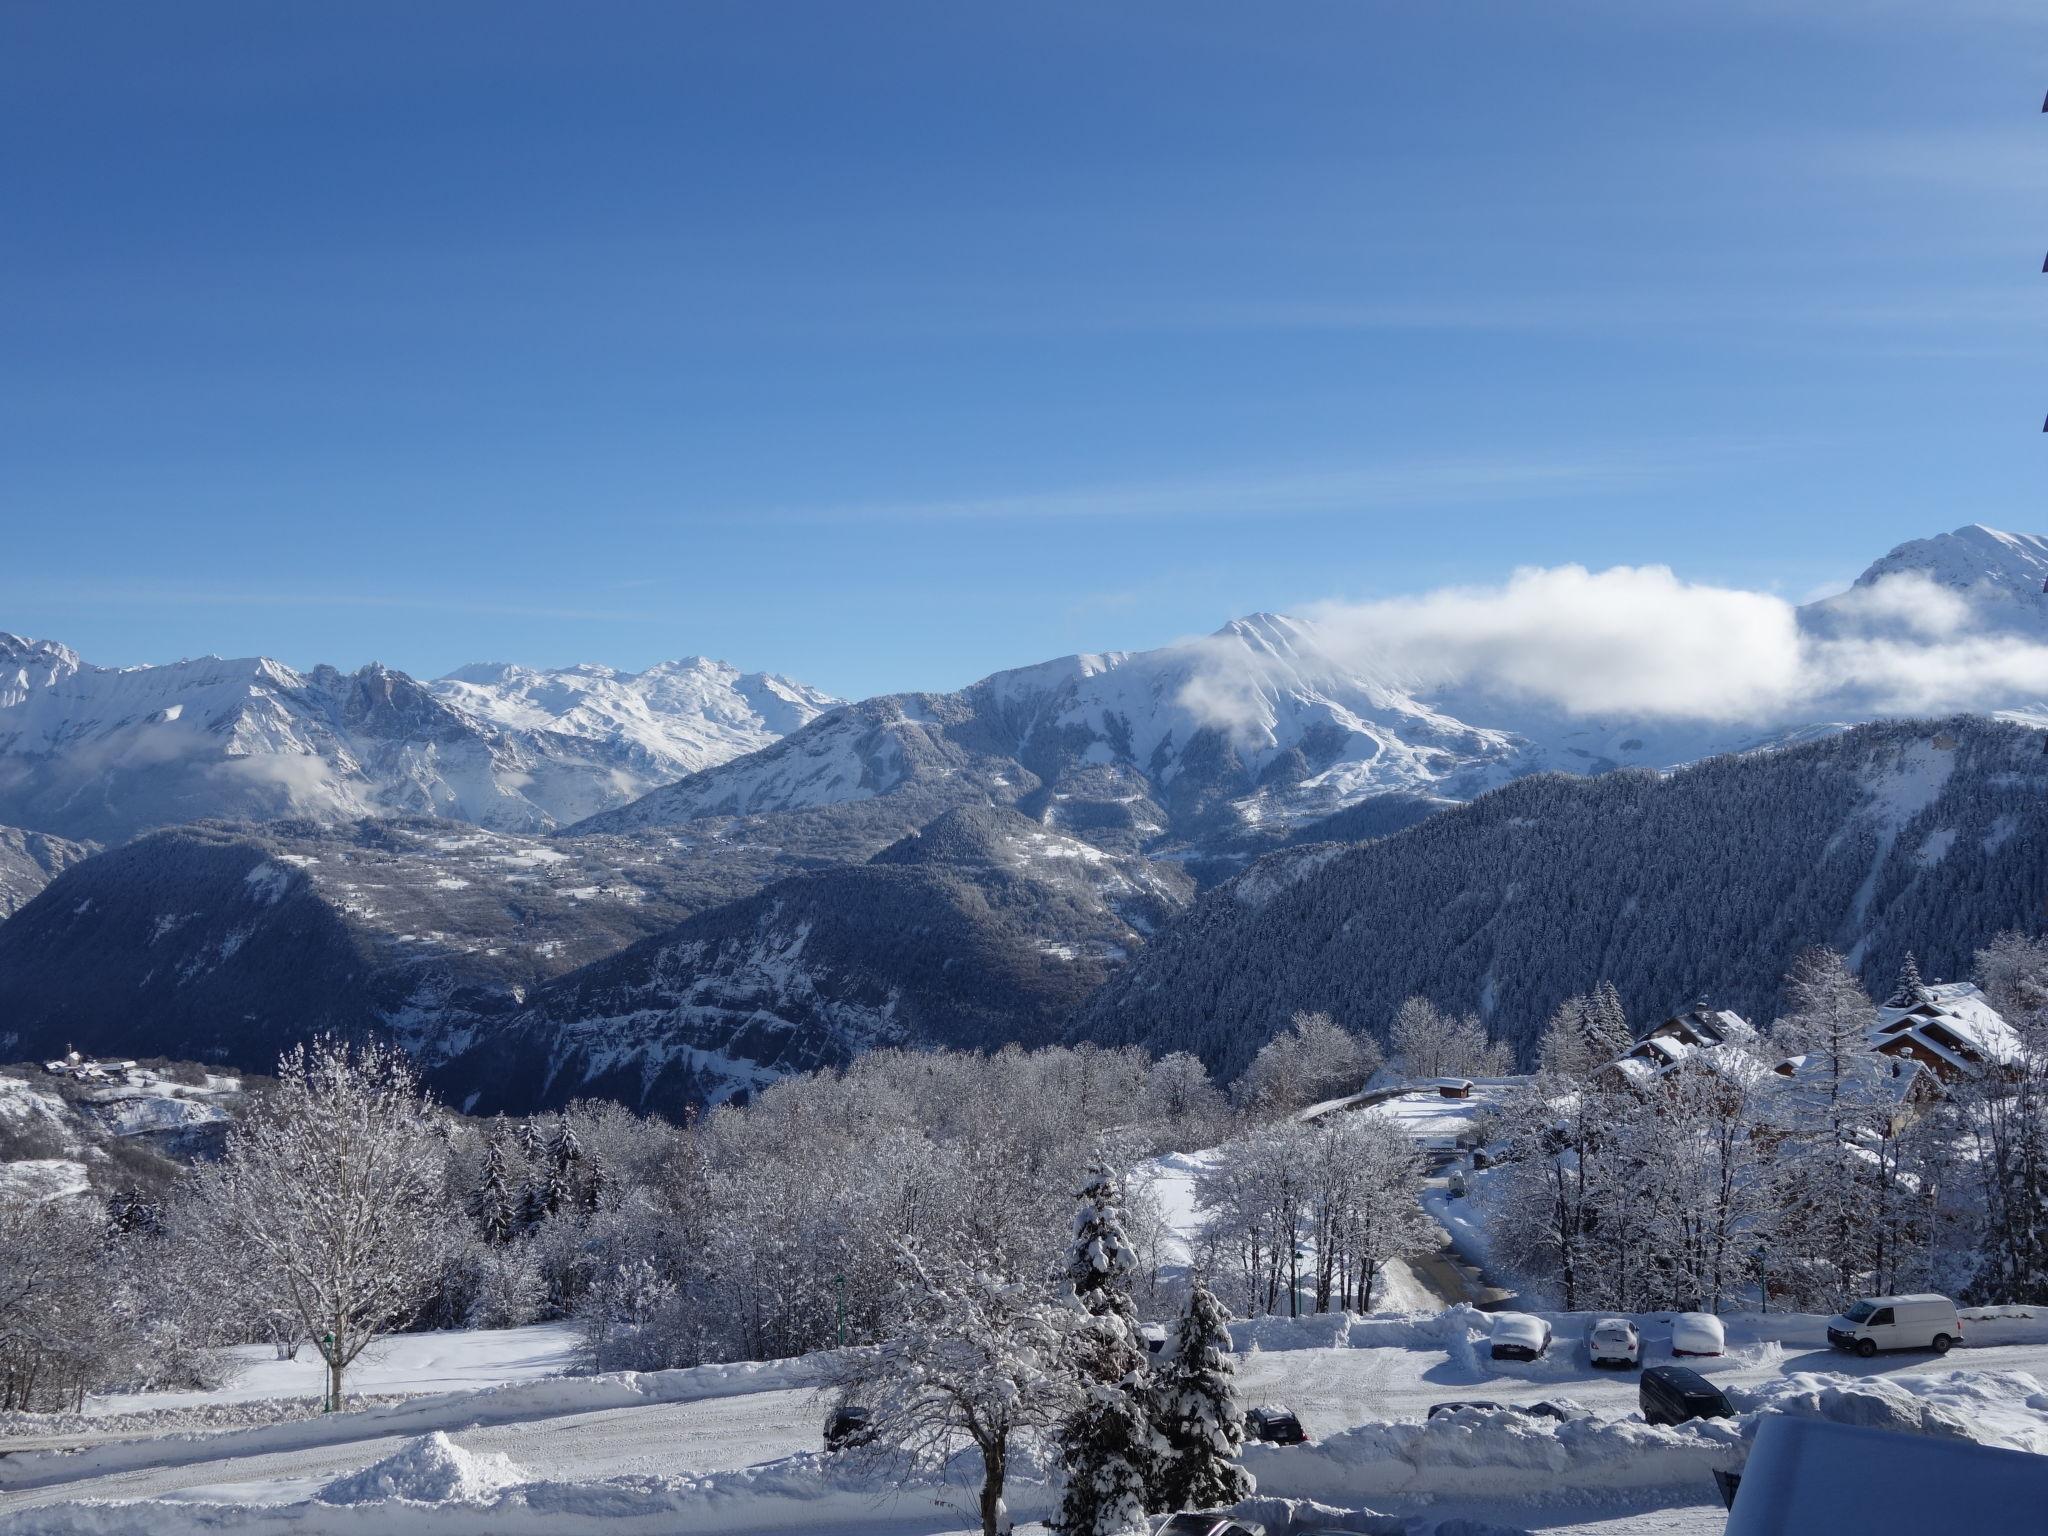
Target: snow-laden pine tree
x,y
496,1216
333,1184
1608,1021
1196,1416
1105,1444
1907,991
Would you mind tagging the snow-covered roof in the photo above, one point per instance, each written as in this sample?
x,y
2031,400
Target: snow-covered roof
x,y
1954,1021
1810,1474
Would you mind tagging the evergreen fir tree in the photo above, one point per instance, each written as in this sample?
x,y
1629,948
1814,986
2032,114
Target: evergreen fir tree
x,y
492,1203
1105,1445
1101,1260
1610,1021
597,1182
564,1160
1908,991
531,1144
1196,1414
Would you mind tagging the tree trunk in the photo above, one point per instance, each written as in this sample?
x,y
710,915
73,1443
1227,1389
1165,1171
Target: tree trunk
x,y
995,1518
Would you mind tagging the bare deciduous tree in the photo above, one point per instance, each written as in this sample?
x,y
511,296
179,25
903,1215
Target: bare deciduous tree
x,y
333,1187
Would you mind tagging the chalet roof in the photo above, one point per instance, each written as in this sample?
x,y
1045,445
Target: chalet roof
x,y
1954,1020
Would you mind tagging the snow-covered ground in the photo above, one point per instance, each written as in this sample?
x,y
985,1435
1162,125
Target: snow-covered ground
x,y
735,1448
408,1363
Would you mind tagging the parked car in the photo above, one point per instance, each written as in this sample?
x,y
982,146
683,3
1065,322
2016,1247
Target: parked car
x,y
1477,1404
1614,1341
1154,1336
1275,1426
848,1426
1207,1522
1518,1336
1697,1333
1456,1183
1671,1394
1543,1410
1897,1322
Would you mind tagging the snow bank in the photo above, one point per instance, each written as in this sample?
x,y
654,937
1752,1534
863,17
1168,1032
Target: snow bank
x,y
810,1492
511,1404
1476,1454
1306,1517
2001,1408
1449,1329
430,1470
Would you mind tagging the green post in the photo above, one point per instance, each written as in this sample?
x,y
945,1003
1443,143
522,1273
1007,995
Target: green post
x,y
327,1402
839,1287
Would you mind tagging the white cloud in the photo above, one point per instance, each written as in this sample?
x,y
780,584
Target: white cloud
x,y
1639,641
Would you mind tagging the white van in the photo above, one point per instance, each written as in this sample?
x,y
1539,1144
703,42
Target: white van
x,y
1897,1322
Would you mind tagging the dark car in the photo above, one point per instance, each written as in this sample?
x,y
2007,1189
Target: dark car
x,y
847,1427
1275,1426
1201,1522
1671,1394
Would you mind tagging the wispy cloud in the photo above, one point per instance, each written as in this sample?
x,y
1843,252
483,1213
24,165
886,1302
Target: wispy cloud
x,y
1408,483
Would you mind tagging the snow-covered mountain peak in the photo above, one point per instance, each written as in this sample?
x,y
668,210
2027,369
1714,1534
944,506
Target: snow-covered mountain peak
x,y
26,665
676,716
1271,634
1975,560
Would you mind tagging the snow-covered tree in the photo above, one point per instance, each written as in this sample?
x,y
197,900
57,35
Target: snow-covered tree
x,y
1907,990
1313,1060
1196,1414
333,1186
496,1217
1820,1233
968,1356
1429,1042
1105,1443
2009,1111
1607,1021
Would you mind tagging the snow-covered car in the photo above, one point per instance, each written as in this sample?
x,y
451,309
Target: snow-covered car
x,y
1274,1426
1207,1522
1455,1184
1697,1333
848,1426
1560,1411
1154,1338
1614,1341
1518,1336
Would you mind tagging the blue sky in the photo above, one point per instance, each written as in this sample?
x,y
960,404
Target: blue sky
x,y
890,344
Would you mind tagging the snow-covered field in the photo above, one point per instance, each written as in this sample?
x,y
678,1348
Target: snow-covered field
x,y
736,1448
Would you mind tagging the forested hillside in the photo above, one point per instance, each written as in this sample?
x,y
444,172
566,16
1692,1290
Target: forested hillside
x,y
983,930
1901,835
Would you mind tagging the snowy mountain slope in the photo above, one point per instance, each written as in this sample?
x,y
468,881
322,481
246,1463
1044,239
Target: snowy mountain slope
x,y
104,752
31,860
1120,749
984,929
135,1132
224,943
1216,749
1999,575
680,715
1705,883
